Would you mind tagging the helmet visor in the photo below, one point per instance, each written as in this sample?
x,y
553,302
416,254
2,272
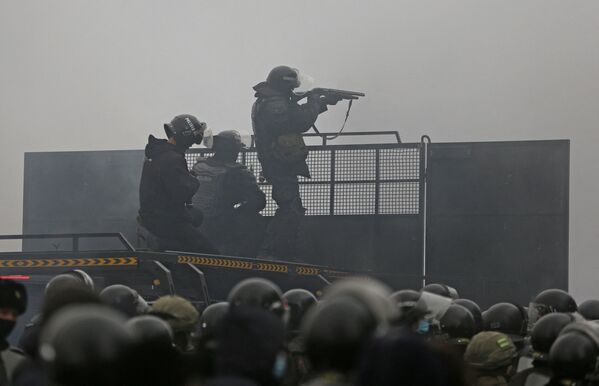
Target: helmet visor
x,y
535,312
293,80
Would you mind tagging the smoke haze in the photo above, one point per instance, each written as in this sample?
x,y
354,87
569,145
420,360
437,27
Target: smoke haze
x,y
91,75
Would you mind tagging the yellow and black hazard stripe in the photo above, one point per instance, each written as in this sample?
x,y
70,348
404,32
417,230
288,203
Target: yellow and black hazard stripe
x,y
257,266
215,262
69,262
307,271
272,267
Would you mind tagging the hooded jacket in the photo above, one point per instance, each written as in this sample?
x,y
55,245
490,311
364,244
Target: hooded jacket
x,y
274,114
166,184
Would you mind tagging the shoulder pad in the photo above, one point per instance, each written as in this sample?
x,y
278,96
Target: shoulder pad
x,y
275,105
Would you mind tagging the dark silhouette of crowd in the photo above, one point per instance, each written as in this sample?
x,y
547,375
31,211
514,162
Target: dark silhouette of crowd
x,y
358,332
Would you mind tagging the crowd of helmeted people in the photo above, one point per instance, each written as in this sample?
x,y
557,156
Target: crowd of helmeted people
x,y
357,332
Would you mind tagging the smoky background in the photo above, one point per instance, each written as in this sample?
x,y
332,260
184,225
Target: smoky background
x,y
89,75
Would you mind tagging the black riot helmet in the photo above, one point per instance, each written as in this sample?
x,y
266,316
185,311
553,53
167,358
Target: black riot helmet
x,y
474,310
589,309
60,283
211,317
227,143
85,344
371,293
410,310
550,300
298,301
508,318
150,330
124,299
336,332
283,78
458,324
13,295
83,276
547,329
258,292
574,353
442,290
186,129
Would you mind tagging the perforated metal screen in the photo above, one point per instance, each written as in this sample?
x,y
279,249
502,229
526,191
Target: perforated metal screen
x,y
349,180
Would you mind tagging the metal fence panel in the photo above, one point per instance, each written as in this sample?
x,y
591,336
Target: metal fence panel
x,y
349,179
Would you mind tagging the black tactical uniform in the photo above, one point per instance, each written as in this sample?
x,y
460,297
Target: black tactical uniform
x,y
167,187
230,199
13,296
278,122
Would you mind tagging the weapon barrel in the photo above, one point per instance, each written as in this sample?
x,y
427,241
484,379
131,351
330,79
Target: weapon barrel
x,y
333,91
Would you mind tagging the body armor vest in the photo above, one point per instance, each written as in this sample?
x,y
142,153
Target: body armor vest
x,y
210,196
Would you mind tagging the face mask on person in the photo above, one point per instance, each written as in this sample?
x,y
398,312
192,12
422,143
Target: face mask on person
x,y
423,327
279,367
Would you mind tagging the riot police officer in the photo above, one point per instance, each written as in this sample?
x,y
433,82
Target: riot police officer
x,y
229,197
166,188
491,355
13,302
181,316
299,301
543,335
278,122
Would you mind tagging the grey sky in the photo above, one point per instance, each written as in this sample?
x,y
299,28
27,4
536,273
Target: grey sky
x,y
87,75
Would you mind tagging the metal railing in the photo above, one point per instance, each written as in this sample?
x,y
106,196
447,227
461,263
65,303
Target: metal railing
x,y
364,179
75,237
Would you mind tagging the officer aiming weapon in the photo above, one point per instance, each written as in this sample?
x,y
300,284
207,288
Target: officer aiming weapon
x,y
334,95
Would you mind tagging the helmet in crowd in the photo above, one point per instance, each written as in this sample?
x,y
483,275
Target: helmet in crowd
x,y
442,290
84,344
211,317
507,318
150,330
83,276
299,302
283,77
180,314
251,343
13,296
550,300
474,310
186,129
124,299
458,324
547,329
336,331
370,292
405,298
229,139
258,292
589,309
410,310
574,353
60,283
490,350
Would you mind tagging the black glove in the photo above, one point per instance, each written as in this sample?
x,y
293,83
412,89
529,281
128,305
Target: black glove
x,y
331,99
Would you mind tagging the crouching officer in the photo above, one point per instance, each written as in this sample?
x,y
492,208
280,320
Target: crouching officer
x,y
166,188
229,198
13,302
